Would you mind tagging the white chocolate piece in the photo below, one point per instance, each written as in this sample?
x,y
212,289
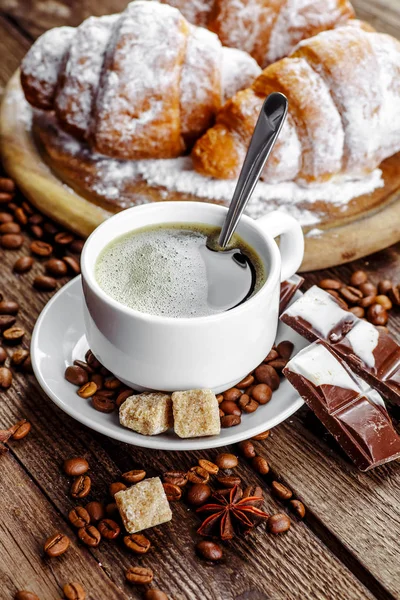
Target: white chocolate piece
x,y
143,505
196,413
147,413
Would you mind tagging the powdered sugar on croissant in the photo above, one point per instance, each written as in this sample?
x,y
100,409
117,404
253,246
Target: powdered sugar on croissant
x,y
142,84
344,111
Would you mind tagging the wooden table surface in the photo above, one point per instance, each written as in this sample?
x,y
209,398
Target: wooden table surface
x,y
346,548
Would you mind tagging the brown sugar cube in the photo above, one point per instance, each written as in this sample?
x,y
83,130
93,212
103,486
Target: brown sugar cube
x,y
147,413
143,505
196,413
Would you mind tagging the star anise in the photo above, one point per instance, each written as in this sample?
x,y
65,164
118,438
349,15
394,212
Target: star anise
x,y
231,515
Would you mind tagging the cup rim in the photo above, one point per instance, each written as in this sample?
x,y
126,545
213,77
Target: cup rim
x,y
89,279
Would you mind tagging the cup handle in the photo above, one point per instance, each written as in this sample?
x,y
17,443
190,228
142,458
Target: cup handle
x,y
291,240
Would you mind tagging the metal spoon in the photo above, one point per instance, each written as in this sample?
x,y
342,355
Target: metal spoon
x,y
230,274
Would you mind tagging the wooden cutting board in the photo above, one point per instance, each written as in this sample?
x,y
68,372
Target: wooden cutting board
x,y
368,233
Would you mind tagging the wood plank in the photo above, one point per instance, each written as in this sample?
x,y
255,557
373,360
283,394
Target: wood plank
x,y
27,519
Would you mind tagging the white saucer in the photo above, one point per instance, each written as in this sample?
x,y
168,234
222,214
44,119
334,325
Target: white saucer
x,y
59,338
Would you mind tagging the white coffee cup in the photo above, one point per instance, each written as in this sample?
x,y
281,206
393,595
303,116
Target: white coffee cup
x,y
163,353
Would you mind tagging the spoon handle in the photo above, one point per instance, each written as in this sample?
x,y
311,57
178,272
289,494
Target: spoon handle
x,y
269,124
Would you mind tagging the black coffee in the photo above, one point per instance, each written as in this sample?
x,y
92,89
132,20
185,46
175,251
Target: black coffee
x,y
161,270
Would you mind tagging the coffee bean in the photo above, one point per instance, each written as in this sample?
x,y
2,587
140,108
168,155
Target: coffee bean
x,y
198,475
74,591
209,550
92,360
25,595
76,375
98,380
7,185
368,289
37,231
6,321
109,529
358,277
20,216
5,217
173,492
9,228
23,264
6,198
139,575
137,543
11,241
281,491
56,545
330,284
247,449
87,390
102,403
5,378
55,267
209,466
41,248
221,413
155,595
279,523
385,286
72,264
252,491
27,365
260,465
384,301
50,228
272,355
285,349
298,508
43,283
3,355
367,301
14,334
116,487
63,238
134,476
178,478
112,383
232,394
262,393
230,421
76,246
80,487
76,466
8,307
358,311
18,357
261,436
247,404
198,494
351,294
242,385
228,481
279,364
96,511
230,408
24,428
268,375
226,461
122,396
79,517
90,536
377,315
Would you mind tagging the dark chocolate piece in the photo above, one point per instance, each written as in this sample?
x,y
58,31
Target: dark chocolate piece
x,y
288,290
371,353
353,413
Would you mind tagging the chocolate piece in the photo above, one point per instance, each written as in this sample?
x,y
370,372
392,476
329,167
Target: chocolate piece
x,y
353,413
371,353
288,290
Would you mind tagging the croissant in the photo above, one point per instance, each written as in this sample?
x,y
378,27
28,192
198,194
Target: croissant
x,y
344,111
142,84
266,29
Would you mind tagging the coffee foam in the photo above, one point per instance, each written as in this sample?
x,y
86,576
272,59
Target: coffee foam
x,y
159,272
